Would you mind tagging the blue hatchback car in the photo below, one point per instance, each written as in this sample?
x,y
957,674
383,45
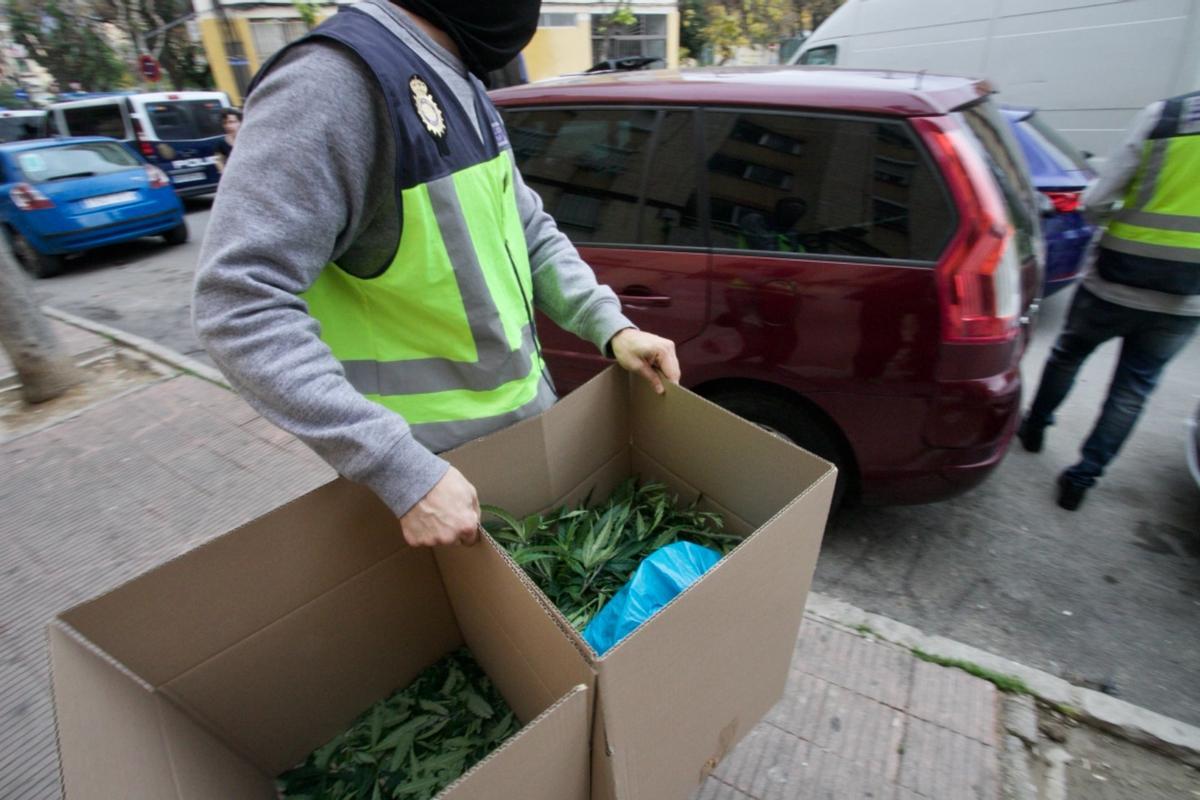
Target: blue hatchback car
x,y
1060,174
63,196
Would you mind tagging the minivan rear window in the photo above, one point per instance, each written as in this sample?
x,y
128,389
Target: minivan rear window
x,y
182,120
999,149
813,184
83,160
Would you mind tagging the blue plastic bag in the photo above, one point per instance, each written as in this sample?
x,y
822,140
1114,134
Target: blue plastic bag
x,y
658,579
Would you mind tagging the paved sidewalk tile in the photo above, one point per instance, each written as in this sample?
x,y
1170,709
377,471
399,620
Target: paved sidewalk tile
x,y
855,728
955,700
98,499
940,764
876,669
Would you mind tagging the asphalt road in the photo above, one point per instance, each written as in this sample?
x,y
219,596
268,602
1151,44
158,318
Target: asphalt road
x,y
1108,596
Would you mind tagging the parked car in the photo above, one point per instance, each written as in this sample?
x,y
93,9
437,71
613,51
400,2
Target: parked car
x,y
1060,173
849,258
22,124
175,131
61,196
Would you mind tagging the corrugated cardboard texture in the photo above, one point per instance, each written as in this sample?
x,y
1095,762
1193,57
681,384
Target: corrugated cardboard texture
x,y
678,694
711,664
188,610
118,739
287,689
527,468
512,635
547,761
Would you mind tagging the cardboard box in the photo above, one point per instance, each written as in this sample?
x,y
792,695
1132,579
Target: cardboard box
x,y
210,675
206,677
677,694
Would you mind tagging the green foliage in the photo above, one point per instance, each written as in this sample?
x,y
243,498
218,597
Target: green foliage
x,y
581,557
67,45
1005,683
414,743
307,11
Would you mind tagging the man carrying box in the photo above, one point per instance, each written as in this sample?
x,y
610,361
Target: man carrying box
x,y
373,261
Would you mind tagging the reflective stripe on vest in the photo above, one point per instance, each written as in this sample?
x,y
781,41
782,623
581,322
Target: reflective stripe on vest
x,y
443,335
1161,214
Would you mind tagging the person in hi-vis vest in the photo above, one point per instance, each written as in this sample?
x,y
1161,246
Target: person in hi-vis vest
x,y
1142,285
374,258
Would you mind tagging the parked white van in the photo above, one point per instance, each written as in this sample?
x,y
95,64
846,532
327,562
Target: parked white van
x,y
176,131
1087,65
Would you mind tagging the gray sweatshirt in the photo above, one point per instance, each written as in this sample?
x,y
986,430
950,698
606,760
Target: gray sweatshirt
x,y
311,180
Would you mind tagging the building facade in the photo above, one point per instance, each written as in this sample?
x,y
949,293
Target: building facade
x,y
240,35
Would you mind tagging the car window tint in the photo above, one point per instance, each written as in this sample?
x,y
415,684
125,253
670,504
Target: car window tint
x,y
995,142
101,120
591,169
15,129
790,183
75,161
1052,142
181,120
820,56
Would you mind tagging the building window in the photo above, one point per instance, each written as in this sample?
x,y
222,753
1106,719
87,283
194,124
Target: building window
x,y
556,20
646,37
272,35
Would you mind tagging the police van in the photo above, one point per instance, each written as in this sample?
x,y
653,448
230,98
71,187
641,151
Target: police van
x,y
20,125
176,131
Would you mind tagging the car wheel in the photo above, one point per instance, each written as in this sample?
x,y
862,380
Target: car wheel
x,y
792,421
177,235
37,264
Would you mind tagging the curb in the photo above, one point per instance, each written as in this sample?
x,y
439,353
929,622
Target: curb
x,y
142,345
1134,723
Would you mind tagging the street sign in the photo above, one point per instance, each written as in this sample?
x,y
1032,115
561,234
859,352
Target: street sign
x,y
149,67
21,94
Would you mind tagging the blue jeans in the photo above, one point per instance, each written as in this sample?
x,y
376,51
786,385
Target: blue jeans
x,y
1150,340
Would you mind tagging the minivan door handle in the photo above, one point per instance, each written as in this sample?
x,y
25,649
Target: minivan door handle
x,y
644,296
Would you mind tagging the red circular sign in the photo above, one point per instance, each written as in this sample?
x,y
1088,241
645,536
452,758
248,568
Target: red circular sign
x,y
149,66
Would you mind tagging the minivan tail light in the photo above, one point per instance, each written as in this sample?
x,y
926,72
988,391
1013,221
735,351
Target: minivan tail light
x,y
979,276
27,198
158,178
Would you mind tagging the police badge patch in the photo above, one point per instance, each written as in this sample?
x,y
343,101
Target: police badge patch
x,y
427,108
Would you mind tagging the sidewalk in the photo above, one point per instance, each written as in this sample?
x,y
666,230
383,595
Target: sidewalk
x,y
133,480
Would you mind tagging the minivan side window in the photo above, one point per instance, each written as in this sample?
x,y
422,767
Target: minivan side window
x,y
820,56
593,169
101,120
800,184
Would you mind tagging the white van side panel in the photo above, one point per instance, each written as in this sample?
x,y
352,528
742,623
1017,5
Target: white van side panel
x,y
1090,65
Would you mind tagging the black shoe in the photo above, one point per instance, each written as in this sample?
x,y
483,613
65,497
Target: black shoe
x,y
1070,494
1031,437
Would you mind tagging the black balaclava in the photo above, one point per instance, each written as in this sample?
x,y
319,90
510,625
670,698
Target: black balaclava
x,y
489,33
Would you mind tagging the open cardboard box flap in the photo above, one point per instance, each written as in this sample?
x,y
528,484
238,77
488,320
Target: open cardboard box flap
x,y
676,695
209,675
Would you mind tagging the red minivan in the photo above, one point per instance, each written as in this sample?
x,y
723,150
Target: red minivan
x,y
849,258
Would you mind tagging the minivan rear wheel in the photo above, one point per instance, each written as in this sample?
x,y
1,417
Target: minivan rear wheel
x,y
792,421
37,264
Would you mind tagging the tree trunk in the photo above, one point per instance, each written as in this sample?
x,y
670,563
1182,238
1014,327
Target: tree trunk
x,y
27,337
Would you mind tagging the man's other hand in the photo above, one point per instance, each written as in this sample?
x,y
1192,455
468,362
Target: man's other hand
x,y
449,514
652,357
